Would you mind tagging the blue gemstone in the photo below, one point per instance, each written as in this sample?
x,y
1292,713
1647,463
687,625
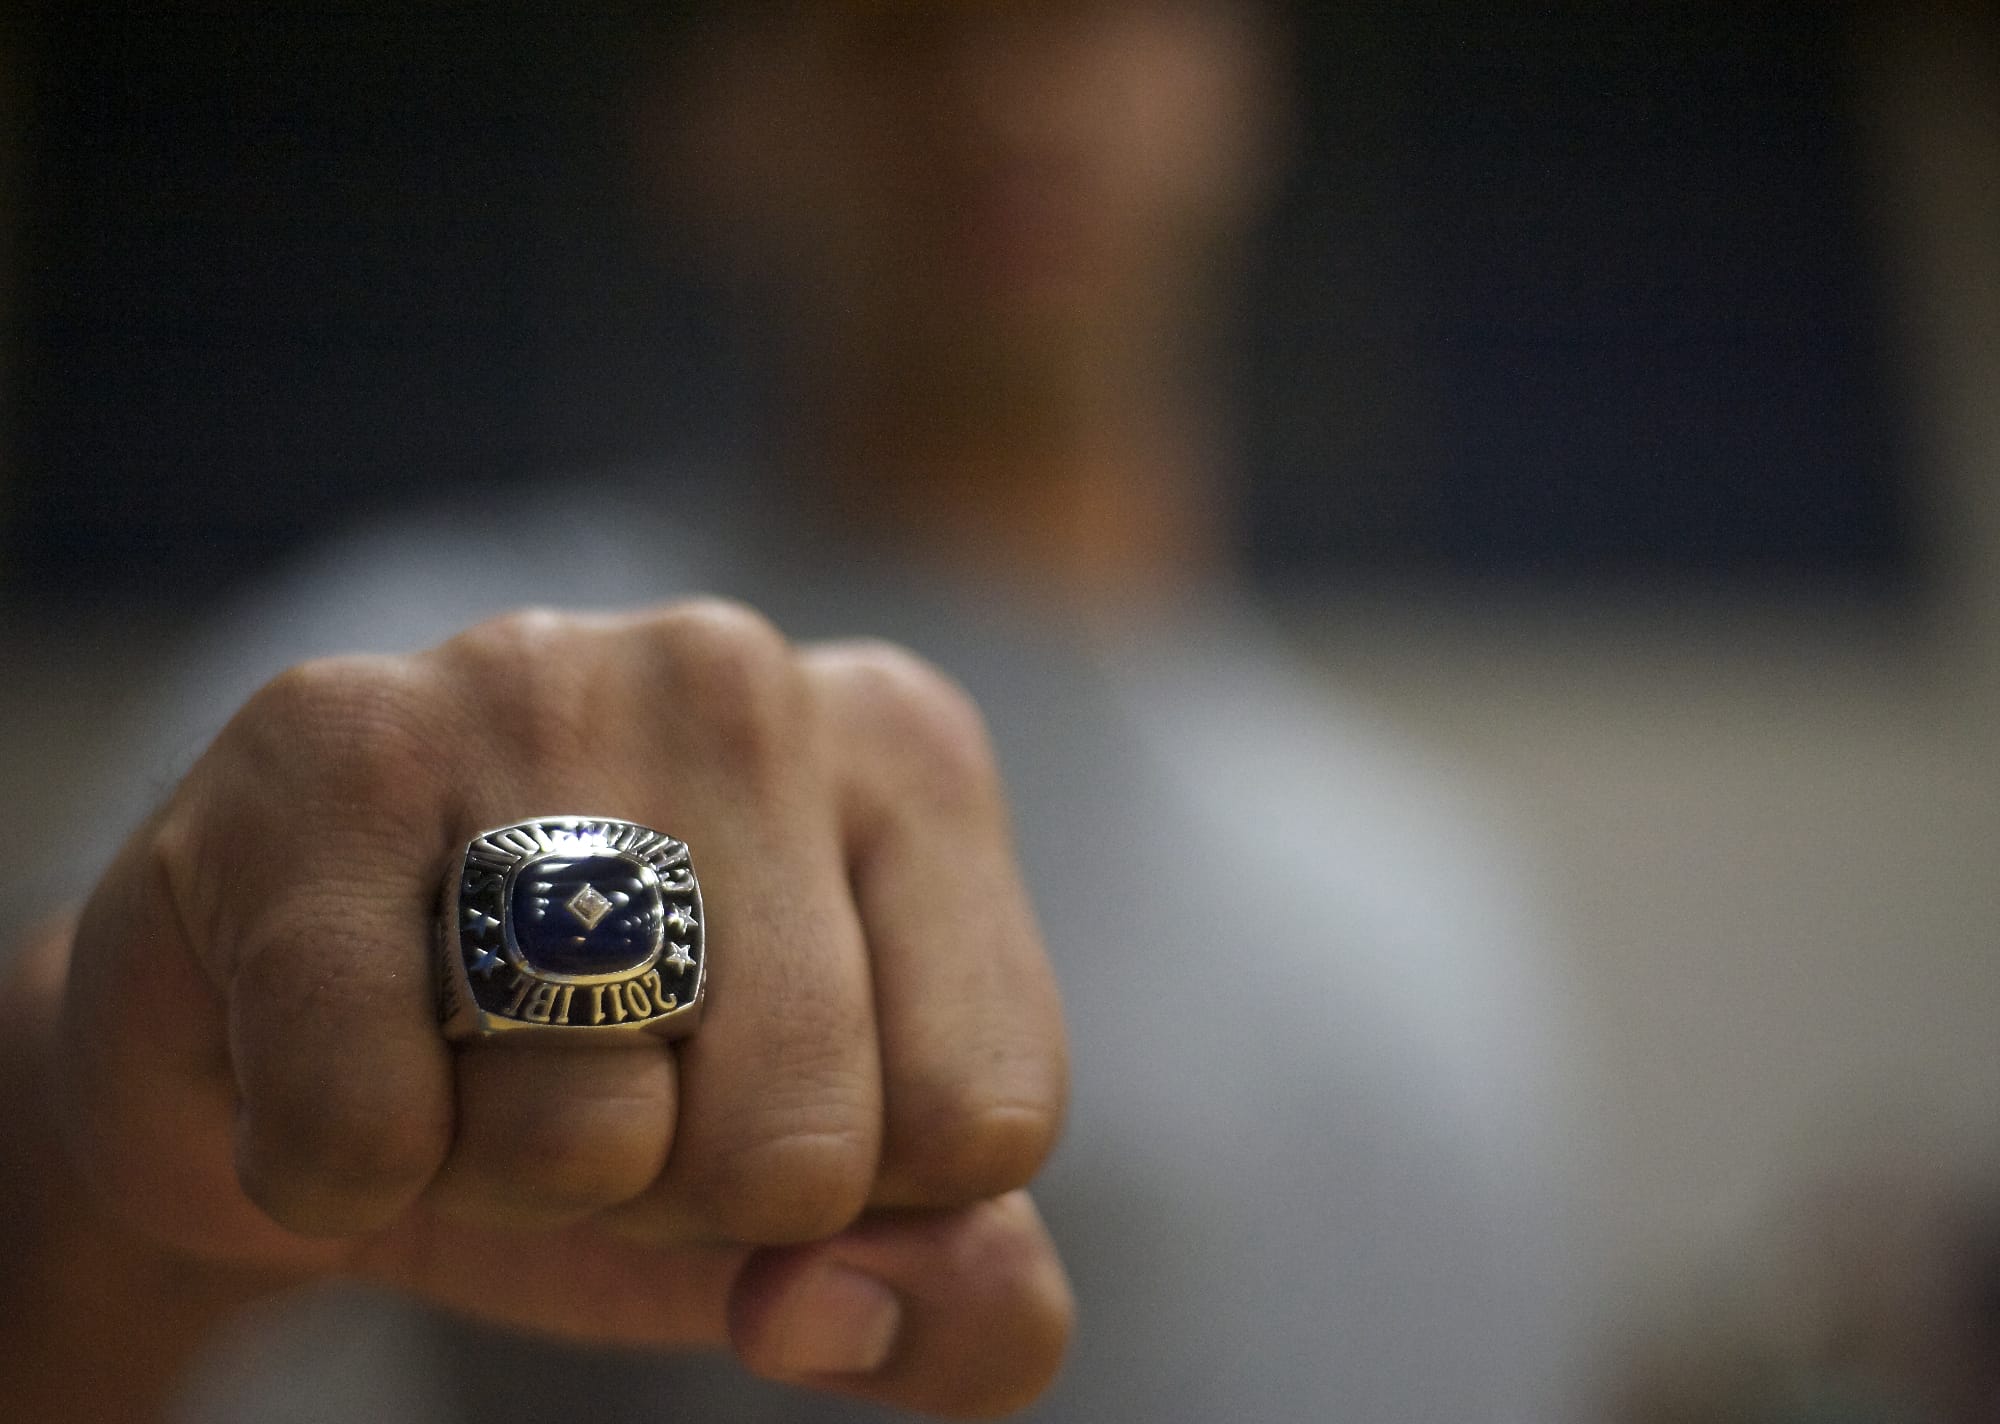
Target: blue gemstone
x,y
585,914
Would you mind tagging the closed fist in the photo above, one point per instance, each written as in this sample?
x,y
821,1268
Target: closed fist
x,y
827,1176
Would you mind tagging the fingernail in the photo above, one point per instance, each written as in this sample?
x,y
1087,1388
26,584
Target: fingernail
x,y
835,1321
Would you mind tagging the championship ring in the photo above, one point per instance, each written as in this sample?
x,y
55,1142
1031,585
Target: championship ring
x,y
578,928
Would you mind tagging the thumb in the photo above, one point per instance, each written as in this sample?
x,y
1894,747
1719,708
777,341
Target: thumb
x,y
960,1313
963,1313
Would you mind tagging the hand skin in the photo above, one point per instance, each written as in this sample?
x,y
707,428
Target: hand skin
x,y
242,1084
96,1321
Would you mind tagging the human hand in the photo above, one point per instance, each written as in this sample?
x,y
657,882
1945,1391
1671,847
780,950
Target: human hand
x,y
826,1177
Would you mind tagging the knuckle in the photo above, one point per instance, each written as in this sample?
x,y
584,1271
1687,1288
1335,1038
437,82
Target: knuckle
x,y
525,683
938,733
724,623
973,1145
737,680
509,640
172,857
338,1165
304,693
541,716
803,1185
556,1168
358,724
565,1152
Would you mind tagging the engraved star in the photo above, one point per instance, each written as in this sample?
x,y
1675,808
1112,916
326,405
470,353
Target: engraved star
x,y
479,922
681,920
484,963
680,959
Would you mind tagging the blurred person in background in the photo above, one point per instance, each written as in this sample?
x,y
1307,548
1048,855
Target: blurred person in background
x,y
1316,1161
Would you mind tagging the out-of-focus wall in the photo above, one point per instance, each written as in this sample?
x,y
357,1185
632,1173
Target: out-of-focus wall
x,y
1555,294
1772,831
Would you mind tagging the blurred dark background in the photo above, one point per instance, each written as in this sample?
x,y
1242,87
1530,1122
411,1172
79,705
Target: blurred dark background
x,y
1584,298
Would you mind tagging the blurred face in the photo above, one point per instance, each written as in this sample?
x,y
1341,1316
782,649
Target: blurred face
x,y
986,187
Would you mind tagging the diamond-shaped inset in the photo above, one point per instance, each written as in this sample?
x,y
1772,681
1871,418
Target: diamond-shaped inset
x,y
589,906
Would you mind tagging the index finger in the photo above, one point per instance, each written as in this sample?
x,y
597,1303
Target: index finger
x,y
251,990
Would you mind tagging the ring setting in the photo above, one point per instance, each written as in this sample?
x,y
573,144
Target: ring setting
x,y
584,927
